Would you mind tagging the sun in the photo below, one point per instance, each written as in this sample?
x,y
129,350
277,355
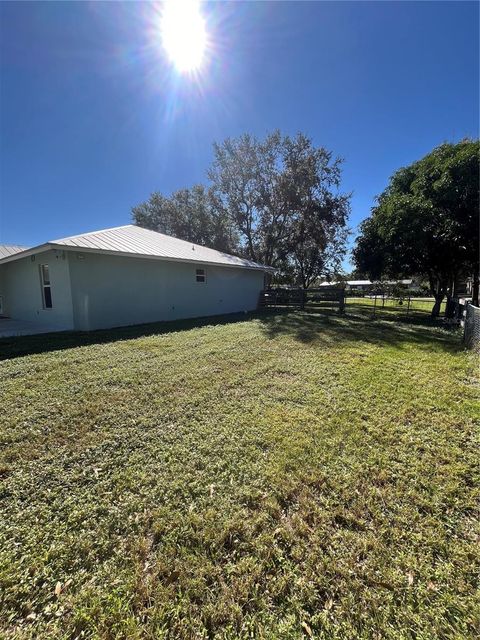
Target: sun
x,y
184,34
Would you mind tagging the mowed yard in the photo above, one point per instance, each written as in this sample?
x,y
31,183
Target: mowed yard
x,y
278,477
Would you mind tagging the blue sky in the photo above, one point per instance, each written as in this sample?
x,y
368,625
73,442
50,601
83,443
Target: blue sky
x,y
93,118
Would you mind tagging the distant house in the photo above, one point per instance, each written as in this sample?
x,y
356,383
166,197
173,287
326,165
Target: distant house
x,y
358,285
350,285
368,285
123,276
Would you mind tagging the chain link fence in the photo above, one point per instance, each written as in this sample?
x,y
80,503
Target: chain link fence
x,y
471,329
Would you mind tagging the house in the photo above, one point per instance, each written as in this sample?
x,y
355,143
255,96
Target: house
x,y
350,285
123,276
358,285
367,285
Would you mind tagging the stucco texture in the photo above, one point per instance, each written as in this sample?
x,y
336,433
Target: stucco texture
x,y
95,291
20,288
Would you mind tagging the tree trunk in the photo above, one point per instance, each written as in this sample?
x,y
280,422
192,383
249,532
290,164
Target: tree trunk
x,y
438,303
251,249
439,287
475,287
450,307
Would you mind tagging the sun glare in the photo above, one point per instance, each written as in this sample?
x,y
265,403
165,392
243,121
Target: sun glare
x,y
184,35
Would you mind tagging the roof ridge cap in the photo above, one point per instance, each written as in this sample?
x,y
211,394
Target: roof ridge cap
x,y
91,233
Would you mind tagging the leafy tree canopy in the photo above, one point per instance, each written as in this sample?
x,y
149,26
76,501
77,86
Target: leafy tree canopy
x,y
426,221
282,194
276,201
188,214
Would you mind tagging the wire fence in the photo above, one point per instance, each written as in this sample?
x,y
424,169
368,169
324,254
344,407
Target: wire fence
x,y
454,311
471,329
382,306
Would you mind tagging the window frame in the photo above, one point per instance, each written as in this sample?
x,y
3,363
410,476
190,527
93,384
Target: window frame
x,y
47,301
202,275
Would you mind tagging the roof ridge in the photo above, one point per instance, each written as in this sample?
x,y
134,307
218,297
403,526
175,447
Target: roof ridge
x,y
90,233
166,235
194,244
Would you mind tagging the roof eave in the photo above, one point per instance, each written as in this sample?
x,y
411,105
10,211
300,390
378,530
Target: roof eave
x,y
24,254
126,254
145,256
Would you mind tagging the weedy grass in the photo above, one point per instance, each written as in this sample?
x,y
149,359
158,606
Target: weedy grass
x,y
289,475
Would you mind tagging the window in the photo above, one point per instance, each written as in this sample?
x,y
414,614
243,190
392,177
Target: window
x,y
46,288
201,275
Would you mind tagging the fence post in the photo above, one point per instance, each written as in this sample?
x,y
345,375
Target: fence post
x,y
465,322
341,301
471,328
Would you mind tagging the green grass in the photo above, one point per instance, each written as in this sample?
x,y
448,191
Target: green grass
x,y
286,476
395,307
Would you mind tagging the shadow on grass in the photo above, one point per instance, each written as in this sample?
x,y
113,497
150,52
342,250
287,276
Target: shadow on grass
x,y
359,325
304,326
17,346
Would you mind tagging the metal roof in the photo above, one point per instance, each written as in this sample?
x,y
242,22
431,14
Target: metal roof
x,y
350,282
130,240
10,250
356,283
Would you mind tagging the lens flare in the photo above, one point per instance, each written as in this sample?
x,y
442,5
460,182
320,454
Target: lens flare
x,y
184,34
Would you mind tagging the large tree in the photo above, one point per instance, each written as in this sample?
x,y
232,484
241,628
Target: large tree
x,y
426,222
276,201
188,214
282,196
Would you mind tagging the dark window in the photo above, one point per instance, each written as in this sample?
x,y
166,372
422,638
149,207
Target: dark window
x,y
46,288
201,275
47,294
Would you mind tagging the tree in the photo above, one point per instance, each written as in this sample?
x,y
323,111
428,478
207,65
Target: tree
x,y
275,201
316,251
188,214
281,195
245,184
426,222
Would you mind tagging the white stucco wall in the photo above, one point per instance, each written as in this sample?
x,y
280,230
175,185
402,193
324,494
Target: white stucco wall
x,y
111,291
20,286
94,291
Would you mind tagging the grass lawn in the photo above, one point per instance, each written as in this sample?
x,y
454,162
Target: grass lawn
x,y
394,308
280,477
